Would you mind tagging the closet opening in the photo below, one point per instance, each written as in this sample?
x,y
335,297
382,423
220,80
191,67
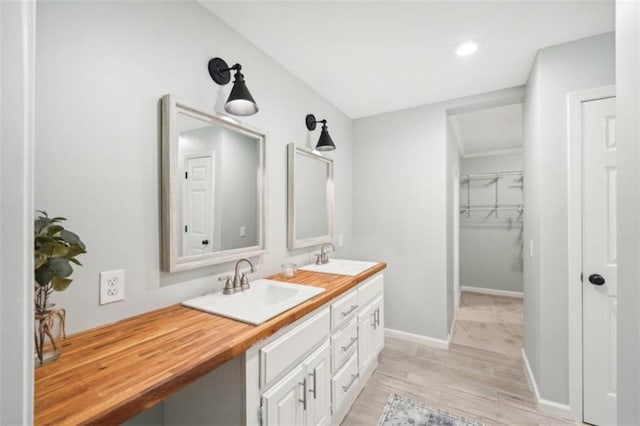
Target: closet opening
x,y
487,189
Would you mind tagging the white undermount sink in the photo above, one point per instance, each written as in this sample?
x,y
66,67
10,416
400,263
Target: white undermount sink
x,y
340,267
264,300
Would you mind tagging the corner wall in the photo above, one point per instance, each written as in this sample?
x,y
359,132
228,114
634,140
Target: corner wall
x,y
17,68
628,136
558,70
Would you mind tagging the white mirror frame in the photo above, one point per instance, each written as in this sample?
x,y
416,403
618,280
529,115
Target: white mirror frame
x,y
171,259
292,240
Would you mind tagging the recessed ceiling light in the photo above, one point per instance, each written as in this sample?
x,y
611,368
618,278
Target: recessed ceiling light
x,y
467,48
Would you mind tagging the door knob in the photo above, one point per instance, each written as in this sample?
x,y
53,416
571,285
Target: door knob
x,y
596,279
205,242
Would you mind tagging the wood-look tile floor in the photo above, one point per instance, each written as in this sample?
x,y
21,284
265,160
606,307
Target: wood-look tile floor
x,y
480,377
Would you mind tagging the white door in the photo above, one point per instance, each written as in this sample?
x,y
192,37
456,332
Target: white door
x,y
198,205
318,369
599,261
365,338
283,403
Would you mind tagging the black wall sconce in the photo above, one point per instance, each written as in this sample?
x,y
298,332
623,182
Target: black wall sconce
x,y
240,101
324,143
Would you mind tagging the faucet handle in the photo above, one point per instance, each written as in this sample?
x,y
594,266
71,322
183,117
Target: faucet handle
x,y
244,282
319,258
228,285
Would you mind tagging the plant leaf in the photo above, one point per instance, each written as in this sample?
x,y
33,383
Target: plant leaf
x,y
75,250
44,275
54,249
74,260
60,267
69,237
39,260
53,230
60,284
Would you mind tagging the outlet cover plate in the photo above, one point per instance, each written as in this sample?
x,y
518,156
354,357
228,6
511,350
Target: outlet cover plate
x,y
111,286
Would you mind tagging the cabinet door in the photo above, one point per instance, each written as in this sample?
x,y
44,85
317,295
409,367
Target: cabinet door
x,y
378,328
365,338
283,403
318,370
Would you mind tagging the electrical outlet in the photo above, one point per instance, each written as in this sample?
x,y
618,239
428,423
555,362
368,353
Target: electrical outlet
x,y
243,231
340,240
111,286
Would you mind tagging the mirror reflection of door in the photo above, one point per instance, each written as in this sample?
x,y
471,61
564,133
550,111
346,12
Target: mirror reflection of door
x,y
198,215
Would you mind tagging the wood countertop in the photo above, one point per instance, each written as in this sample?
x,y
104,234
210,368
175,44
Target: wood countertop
x,y
109,374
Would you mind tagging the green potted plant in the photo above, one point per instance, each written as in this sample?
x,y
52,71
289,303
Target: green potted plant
x,y
55,249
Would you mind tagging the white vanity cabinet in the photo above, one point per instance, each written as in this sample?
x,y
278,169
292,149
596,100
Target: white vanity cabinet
x,y
309,373
302,397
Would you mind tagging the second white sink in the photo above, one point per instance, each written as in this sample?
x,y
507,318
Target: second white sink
x,y
264,300
340,267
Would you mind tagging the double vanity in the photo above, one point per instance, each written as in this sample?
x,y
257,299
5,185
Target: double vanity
x,y
303,366
269,351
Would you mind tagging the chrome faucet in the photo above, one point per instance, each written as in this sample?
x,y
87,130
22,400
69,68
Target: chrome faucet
x,y
323,257
240,282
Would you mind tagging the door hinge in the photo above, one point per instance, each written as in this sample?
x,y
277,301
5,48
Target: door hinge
x,y
186,175
185,228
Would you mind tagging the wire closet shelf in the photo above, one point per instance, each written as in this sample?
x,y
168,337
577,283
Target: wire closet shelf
x,y
496,206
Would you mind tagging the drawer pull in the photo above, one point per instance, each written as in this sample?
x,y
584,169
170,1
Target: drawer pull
x,y
315,385
346,348
354,377
353,308
377,317
304,393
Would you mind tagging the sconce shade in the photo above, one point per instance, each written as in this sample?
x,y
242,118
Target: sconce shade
x,y
325,143
240,101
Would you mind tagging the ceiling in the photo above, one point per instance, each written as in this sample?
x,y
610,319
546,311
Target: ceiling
x,y
492,129
373,57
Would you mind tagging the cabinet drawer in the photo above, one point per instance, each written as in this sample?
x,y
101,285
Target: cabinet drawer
x,y
369,289
344,309
345,382
279,355
344,343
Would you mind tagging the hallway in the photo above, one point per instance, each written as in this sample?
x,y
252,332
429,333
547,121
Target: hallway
x,y
480,377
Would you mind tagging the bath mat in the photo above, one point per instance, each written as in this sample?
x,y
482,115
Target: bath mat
x,y
403,411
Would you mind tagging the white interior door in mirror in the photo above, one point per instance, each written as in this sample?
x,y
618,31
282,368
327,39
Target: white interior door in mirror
x,y
198,205
213,188
310,198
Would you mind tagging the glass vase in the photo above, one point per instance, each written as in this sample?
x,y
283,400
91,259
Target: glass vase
x,y
48,332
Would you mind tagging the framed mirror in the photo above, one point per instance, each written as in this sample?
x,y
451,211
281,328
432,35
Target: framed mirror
x,y
213,196
309,198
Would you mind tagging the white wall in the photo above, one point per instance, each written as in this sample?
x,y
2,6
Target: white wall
x,y
17,67
628,137
105,66
490,247
399,212
558,70
400,205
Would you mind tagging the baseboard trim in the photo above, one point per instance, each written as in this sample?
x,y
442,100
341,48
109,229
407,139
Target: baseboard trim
x,y
529,375
417,338
551,408
492,291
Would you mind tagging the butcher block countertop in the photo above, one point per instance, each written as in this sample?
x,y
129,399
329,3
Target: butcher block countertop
x,y
111,373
